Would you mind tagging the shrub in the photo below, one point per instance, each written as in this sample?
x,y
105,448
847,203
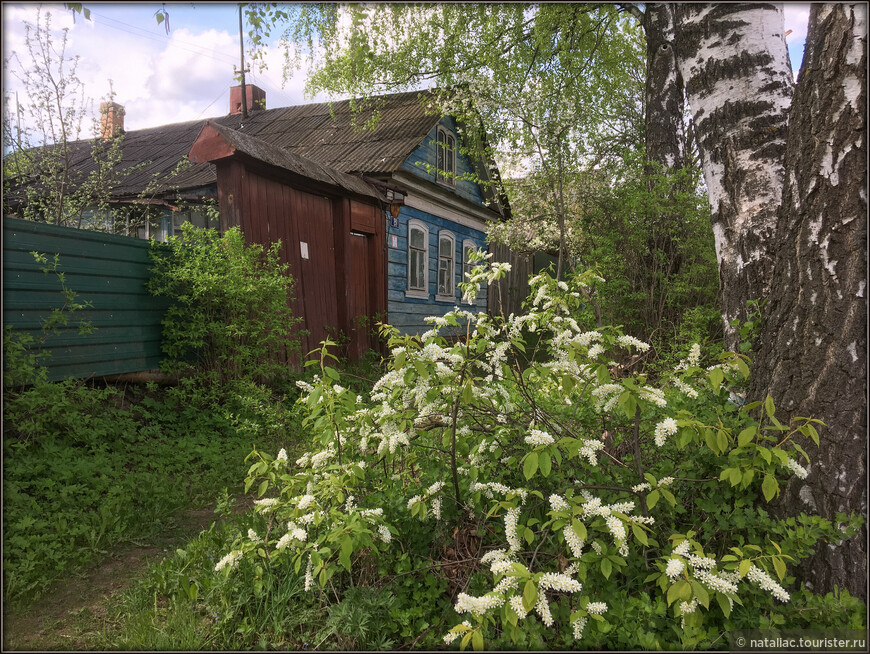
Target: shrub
x,y
231,316
562,490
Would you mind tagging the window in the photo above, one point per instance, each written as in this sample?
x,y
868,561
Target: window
x,y
418,259
446,157
446,255
468,247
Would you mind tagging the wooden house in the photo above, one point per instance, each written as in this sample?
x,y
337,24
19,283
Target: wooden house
x,y
376,224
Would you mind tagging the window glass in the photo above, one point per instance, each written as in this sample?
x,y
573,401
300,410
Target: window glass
x,y
418,255
445,264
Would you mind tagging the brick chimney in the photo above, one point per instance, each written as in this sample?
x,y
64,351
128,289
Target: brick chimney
x,y
111,120
255,96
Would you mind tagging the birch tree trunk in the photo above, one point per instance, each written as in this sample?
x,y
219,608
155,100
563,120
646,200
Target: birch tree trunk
x,y
734,64
663,94
812,357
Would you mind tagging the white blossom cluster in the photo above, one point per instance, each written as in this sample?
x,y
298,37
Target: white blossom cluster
x,y
575,543
666,481
451,635
557,503
495,487
631,341
684,388
578,625
516,603
616,528
766,582
253,537
606,396
715,582
692,360
266,504
537,437
478,605
674,569
384,533
282,455
641,487
596,608
667,427
799,471
589,449
231,560
511,519
561,583
305,502
654,395
542,607
309,577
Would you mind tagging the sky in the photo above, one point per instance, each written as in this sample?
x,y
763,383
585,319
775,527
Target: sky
x,y
184,74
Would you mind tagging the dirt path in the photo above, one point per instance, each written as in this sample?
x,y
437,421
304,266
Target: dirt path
x,y
74,609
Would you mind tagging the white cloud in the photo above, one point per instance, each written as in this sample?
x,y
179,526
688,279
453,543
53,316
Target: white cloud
x,y
797,17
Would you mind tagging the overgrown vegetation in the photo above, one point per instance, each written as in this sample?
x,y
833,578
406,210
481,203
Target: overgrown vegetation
x,y
89,465
554,497
231,317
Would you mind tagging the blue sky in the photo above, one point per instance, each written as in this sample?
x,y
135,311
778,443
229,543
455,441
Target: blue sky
x,y
186,74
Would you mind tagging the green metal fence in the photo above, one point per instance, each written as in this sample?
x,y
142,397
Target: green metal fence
x,y
106,270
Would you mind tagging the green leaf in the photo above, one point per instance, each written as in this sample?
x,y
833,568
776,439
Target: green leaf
x,y
769,487
652,499
652,480
745,437
529,535
764,452
716,377
579,529
744,566
724,604
742,367
262,488
674,591
346,551
813,433
769,408
639,534
467,392
735,476
477,641
669,496
710,439
779,566
545,463
606,568
530,595
628,402
701,593
530,466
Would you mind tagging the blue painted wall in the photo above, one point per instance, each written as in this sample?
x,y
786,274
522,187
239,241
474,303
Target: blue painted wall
x,y
426,153
408,314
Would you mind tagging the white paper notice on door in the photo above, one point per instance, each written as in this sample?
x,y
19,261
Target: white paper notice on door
x,y
304,247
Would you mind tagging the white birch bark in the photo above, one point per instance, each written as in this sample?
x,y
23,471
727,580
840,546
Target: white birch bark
x,y
734,63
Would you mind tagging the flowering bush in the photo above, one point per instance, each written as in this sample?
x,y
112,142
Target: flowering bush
x,y
586,483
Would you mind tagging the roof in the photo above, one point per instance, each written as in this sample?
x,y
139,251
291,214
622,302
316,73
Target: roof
x,y
323,133
215,142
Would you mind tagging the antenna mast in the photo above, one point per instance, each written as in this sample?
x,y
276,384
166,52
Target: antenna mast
x,y
243,69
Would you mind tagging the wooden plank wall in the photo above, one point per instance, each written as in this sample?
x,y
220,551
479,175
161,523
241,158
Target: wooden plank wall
x,y
108,270
507,295
408,314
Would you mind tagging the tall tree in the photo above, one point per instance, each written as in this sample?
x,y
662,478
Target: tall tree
x,y
813,349
787,187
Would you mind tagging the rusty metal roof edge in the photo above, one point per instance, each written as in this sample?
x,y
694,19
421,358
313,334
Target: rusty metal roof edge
x,y
260,150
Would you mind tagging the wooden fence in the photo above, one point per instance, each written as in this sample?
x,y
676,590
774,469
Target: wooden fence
x,y
106,270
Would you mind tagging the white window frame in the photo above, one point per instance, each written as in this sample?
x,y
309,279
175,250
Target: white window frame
x,y
419,293
445,156
450,296
466,264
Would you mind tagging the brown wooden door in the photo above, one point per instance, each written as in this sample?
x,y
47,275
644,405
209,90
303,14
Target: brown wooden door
x,y
359,294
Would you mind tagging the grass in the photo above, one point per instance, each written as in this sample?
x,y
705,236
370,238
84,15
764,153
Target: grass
x,y
112,467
